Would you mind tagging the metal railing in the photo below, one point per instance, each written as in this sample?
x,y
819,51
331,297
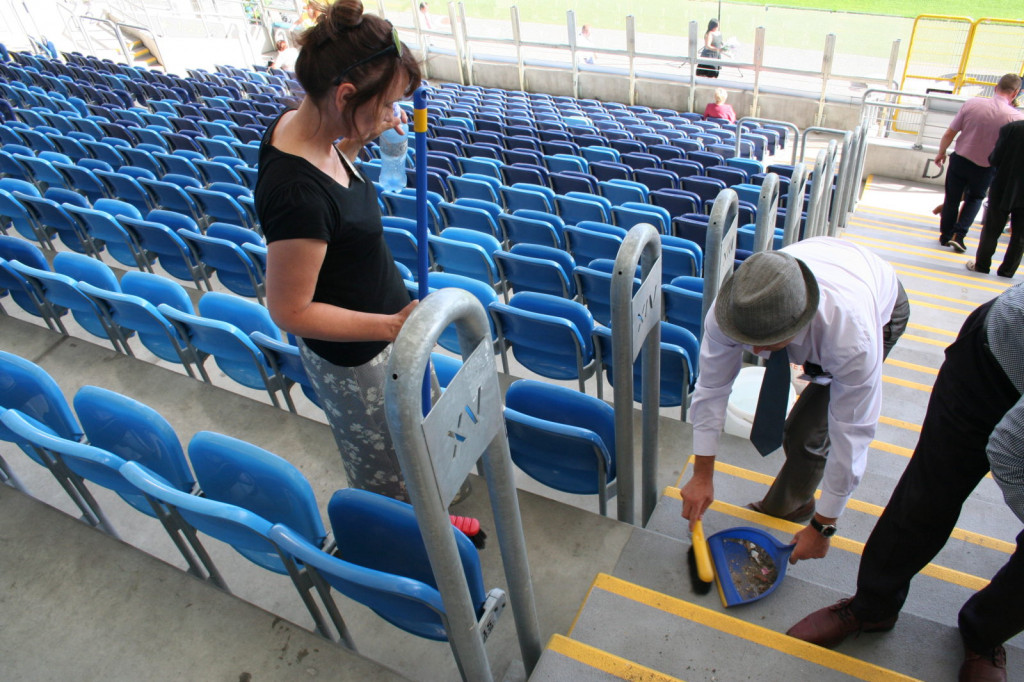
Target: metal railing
x,y
635,328
637,66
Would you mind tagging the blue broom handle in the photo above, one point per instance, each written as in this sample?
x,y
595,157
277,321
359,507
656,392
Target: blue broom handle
x,y
419,126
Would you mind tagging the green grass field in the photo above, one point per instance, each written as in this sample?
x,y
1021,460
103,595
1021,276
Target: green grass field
x,y
609,14
862,27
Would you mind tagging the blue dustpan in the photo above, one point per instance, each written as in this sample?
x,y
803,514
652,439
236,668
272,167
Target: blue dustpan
x,y
749,564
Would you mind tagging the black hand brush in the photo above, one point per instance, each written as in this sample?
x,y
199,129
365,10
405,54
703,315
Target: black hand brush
x,y
702,573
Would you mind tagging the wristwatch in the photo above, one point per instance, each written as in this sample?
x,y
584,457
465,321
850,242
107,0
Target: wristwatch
x,y
828,530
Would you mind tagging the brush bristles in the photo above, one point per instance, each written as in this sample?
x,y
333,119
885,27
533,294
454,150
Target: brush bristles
x,y
699,586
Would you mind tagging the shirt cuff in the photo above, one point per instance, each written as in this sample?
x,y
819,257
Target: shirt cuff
x,y
831,506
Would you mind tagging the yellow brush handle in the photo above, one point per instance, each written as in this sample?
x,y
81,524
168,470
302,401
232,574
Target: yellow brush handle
x,y
700,552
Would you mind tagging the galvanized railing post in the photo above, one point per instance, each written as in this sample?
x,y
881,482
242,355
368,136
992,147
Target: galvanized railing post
x,y
795,205
720,255
767,212
692,52
636,328
437,452
837,220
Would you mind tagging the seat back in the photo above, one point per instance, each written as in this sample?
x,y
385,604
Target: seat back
x,y
28,388
134,432
235,472
563,438
549,335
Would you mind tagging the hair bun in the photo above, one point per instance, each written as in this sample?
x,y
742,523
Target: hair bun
x,y
343,15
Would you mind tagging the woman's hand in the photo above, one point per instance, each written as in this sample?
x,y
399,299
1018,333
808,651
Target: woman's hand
x,y
397,321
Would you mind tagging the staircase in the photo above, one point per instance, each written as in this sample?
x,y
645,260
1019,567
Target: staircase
x,y
642,620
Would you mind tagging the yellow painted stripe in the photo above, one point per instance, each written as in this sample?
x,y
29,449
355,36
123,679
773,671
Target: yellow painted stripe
x,y
970,305
905,249
900,424
811,653
908,384
606,662
924,339
891,448
912,366
949,277
934,330
948,575
935,306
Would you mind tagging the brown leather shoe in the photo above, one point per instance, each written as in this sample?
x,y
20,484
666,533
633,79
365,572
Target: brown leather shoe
x,y
798,515
829,626
989,667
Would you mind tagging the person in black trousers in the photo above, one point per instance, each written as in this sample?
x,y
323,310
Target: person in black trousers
x,y
1005,201
974,424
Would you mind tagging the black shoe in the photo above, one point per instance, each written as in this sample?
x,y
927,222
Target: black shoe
x,y
943,241
957,242
973,267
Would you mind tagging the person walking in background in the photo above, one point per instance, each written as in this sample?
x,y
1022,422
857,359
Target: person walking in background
x,y
974,424
969,173
1005,201
835,308
713,46
425,16
585,46
718,108
331,279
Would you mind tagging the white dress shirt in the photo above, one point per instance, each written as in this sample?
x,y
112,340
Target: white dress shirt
x,y
858,293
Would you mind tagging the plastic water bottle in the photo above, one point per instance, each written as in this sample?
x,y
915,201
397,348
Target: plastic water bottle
x,y
393,148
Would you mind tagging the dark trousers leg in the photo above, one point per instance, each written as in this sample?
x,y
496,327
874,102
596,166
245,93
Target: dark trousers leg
x,y
1014,250
996,613
978,179
964,179
970,396
805,438
995,222
956,181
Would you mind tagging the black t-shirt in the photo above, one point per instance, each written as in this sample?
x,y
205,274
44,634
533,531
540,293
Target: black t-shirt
x,y
296,200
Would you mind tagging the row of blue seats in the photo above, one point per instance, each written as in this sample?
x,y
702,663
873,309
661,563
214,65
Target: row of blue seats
x,y
141,83
70,216
239,334
31,127
272,520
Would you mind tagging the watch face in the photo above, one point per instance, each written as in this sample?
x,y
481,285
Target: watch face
x,y
828,531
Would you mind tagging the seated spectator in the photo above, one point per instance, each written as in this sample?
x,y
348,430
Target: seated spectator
x,y
286,56
718,108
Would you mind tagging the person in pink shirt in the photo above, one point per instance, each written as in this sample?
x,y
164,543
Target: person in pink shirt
x,y
718,108
969,173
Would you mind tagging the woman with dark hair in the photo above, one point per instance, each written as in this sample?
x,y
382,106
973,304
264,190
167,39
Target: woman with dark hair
x,y
331,280
713,46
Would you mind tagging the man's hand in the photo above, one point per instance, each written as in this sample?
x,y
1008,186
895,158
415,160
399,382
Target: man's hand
x,y
810,544
699,492
940,159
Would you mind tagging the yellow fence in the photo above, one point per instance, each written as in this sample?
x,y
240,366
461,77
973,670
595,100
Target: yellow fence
x,y
951,53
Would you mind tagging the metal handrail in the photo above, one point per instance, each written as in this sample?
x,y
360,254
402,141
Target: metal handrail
x,y
757,119
767,209
720,254
636,329
795,204
437,452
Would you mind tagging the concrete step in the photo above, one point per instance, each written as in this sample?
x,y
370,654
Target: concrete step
x,y
167,624
680,639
